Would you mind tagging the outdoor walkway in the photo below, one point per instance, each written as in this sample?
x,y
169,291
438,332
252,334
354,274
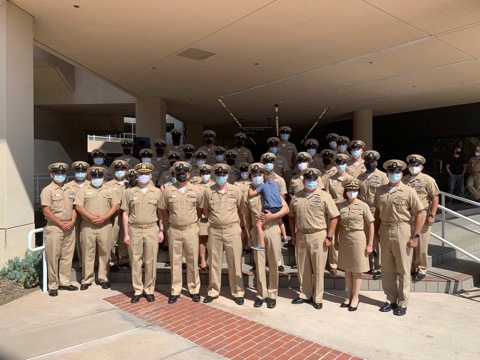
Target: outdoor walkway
x,y
102,324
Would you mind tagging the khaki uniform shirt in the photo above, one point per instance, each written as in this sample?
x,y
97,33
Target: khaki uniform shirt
x,y
223,207
210,154
327,172
165,177
296,184
354,216
312,211
142,208
355,169
398,205
334,186
182,206
233,175
243,185
425,186
369,183
243,155
118,188
280,166
279,180
474,164
96,201
289,151
160,164
72,185
317,162
60,200
178,149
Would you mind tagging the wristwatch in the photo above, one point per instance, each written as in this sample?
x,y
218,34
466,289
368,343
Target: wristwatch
x,y
416,236
330,238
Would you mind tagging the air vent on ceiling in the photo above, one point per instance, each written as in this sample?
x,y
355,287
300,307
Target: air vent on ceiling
x,y
196,54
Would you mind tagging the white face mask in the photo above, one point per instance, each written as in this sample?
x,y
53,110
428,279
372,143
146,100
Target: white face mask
x,y
352,194
205,177
143,179
414,170
245,175
394,177
219,157
477,153
311,184
200,162
146,160
269,166
97,182
302,166
342,148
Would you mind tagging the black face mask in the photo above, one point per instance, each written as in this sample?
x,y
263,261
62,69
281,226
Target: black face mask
x,y
370,165
188,155
160,151
239,143
127,151
181,177
458,152
176,139
326,161
208,141
230,162
133,183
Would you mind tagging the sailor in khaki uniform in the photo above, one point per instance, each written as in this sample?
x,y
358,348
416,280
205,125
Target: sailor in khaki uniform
x,y
188,150
243,154
166,176
342,145
427,190
142,221
354,241
205,181
281,166
220,155
244,181
327,169
200,160
473,180
176,140
223,205
313,217
80,169
396,205
146,156
57,206
356,165
311,146
272,235
332,139
208,147
180,203
370,181
98,157
287,150
119,253
127,149
96,203
160,161
231,160
268,159
304,161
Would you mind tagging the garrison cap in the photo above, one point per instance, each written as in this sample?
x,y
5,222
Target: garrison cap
x,y
327,153
269,156
200,154
160,143
356,144
188,148
415,159
96,171
98,152
231,154
221,168
58,166
311,142
209,133
273,140
80,166
256,167
394,165
181,166
127,143
205,168
243,166
240,136
304,156
285,129
338,158
146,153
120,164
311,173
343,140
144,168
351,184
332,136
371,155
176,132
220,150
173,154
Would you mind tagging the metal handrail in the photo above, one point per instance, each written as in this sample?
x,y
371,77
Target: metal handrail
x,y
455,247
31,246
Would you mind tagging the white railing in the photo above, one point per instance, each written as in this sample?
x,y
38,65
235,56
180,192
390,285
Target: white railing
x,y
111,138
444,210
32,248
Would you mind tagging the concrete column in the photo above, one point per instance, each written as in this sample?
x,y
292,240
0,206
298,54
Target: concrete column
x,y
151,114
195,135
16,130
363,127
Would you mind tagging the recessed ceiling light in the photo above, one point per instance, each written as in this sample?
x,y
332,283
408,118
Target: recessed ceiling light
x,y
370,62
256,64
154,68
76,6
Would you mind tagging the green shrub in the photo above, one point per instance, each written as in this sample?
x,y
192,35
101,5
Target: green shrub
x,y
26,271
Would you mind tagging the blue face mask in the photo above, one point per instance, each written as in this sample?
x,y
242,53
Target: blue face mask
x,y
98,161
80,176
221,180
394,177
244,175
311,184
174,180
284,136
59,178
258,180
342,148
332,144
269,166
120,174
274,150
341,168
312,152
356,153
97,182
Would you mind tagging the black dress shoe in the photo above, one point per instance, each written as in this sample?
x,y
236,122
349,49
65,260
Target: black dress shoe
x,y
298,301
68,288
281,268
135,299
271,303
399,311
253,268
209,299
351,308
114,268
127,265
377,276
195,297
239,300
345,305
294,266
317,306
167,263
173,299
332,271
150,297
388,307
105,285
53,292
418,277
258,302
84,286
184,266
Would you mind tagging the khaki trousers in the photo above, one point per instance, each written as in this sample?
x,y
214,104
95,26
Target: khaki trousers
x,y
311,257
78,242
473,185
59,249
143,249
396,260
420,253
119,253
95,238
230,240
273,249
184,242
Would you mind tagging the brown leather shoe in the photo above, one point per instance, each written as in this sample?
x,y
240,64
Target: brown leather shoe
x,y
332,271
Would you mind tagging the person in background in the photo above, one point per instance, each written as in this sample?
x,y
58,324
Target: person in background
x,y
473,181
456,167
